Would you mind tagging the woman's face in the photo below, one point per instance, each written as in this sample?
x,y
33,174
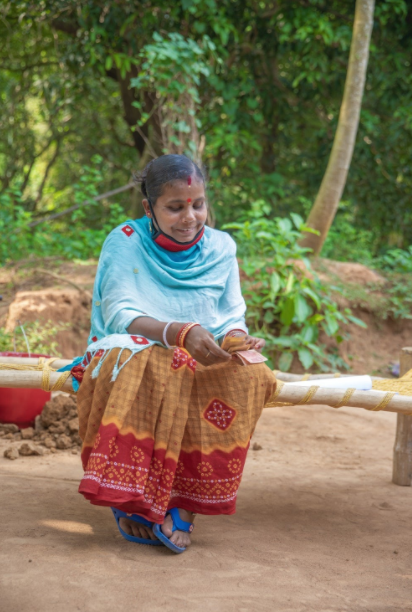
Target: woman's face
x,y
181,210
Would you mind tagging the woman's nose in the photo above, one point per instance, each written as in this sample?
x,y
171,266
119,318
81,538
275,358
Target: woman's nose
x,y
189,215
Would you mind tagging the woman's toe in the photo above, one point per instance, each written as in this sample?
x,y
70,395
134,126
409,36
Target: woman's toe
x,y
125,525
180,539
147,533
135,530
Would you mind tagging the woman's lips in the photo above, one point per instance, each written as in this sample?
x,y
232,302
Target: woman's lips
x,y
187,231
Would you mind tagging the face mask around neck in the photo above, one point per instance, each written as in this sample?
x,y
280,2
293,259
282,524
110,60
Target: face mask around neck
x,y
167,242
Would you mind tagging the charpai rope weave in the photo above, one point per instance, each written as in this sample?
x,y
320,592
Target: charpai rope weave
x,y
44,367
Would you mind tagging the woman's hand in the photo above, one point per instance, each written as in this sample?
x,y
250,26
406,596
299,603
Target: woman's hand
x,y
237,341
202,347
255,343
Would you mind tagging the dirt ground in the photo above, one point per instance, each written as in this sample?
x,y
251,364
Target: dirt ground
x,y
319,527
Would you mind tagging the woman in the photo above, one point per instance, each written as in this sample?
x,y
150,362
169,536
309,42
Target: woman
x,y
166,414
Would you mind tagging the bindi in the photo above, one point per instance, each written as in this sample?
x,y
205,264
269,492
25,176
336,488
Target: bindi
x,y
189,200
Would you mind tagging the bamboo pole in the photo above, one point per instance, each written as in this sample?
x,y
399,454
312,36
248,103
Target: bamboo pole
x,y
288,393
31,379
402,452
289,377
34,361
336,398
284,376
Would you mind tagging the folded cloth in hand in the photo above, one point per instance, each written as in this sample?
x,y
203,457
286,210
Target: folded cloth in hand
x,y
232,344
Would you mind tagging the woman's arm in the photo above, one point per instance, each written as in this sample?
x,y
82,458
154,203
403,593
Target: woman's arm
x,y
199,342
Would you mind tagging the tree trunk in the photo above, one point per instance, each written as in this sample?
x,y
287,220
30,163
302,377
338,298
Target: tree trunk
x,y
327,201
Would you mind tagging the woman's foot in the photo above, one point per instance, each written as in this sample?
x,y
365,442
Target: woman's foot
x,y
136,529
180,538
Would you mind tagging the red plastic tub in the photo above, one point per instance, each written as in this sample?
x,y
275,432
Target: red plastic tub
x,y
21,406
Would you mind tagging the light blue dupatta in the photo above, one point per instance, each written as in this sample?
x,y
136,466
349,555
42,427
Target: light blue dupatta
x,y
136,277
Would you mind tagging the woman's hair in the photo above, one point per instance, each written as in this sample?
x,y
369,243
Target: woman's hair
x,y
163,170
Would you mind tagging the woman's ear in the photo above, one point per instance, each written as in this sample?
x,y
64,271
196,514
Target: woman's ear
x,y
146,207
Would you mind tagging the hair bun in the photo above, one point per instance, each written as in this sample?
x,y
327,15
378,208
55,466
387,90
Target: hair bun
x,y
139,178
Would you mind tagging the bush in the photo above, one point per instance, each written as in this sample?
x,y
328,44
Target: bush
x,y
41,338
396,260
79,235
346,241
286,303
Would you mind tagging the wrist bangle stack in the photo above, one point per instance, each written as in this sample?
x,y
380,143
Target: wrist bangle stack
x,y
166,327
181,336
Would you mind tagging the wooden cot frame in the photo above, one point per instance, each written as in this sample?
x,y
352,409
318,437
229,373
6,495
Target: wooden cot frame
x,y
32,373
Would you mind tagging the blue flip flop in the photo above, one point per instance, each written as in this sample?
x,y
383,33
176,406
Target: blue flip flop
x,y
137,519
178,525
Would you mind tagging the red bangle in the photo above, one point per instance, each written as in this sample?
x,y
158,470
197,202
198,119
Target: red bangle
x,y
185,333
181,336
181,330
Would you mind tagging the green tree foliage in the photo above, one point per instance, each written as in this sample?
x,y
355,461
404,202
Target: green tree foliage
x,y
91,91
78,235
78,79
286,302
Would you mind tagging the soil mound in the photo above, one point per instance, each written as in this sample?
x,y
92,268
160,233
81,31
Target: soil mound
x,y
56,428
348,272
59,306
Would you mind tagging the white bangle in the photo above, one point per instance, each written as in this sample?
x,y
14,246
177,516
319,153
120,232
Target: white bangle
x,y
166,327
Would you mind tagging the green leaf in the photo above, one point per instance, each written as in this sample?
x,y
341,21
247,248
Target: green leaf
x,y
285,361
269,317
287,312
305,357
357,321
309,333
302,310
285,225
331,325
284,341
297,220
275,283
310,293
289,283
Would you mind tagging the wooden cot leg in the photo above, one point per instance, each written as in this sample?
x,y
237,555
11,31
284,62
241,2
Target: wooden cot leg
x,y
402,452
